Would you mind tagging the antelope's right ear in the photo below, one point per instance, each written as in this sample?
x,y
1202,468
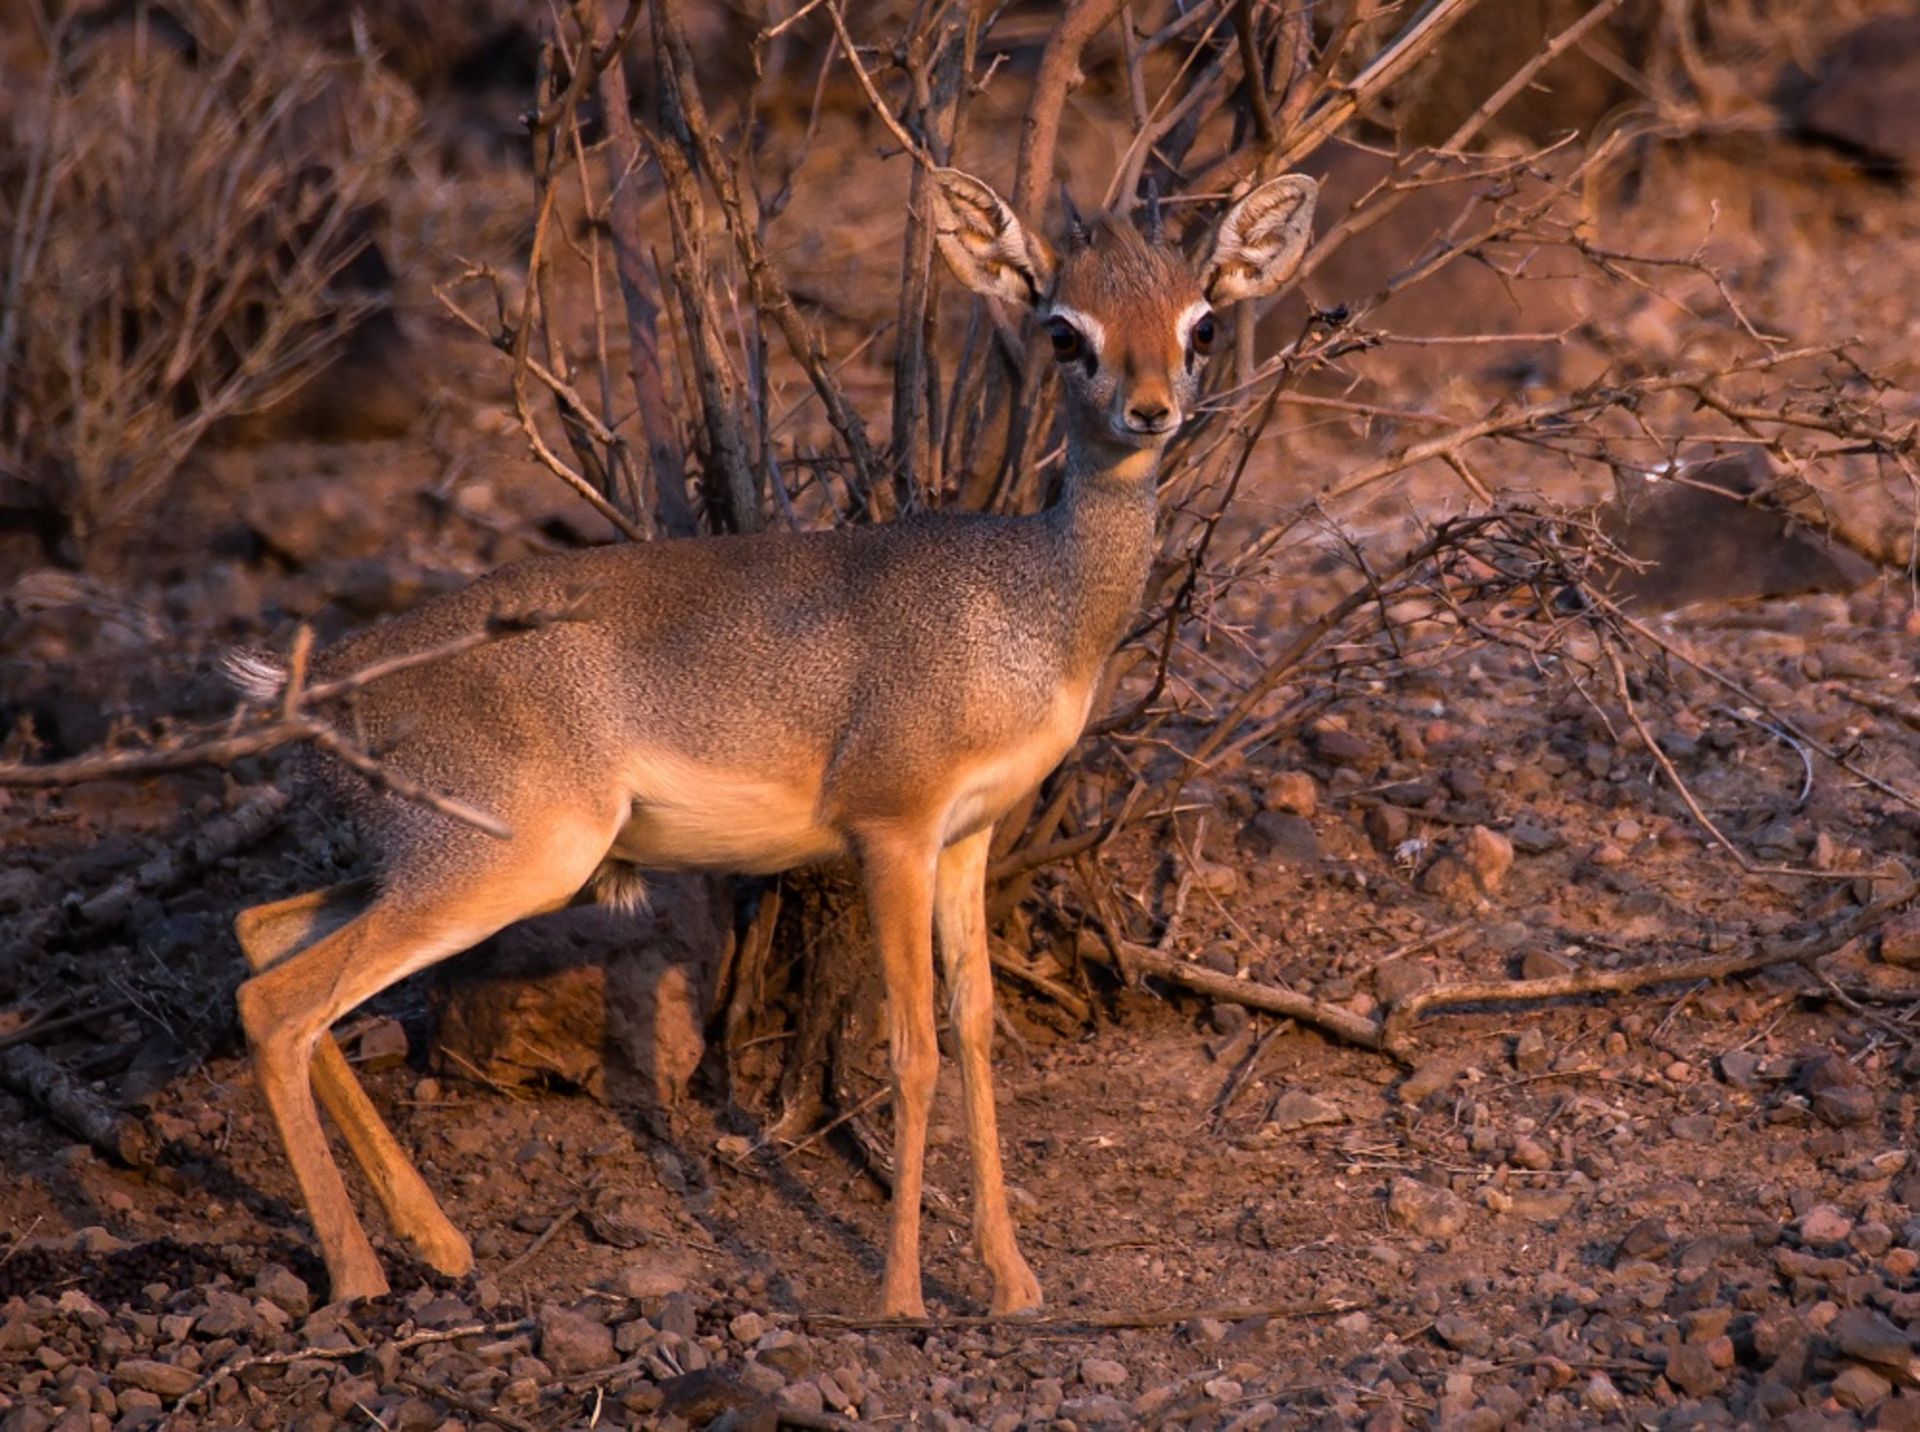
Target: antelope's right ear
x,y
985,244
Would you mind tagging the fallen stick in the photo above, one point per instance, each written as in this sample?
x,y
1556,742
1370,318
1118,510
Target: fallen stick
x,y
1144,959
1387,1035
74,1107
39,1028
166,872
1905,711
1708,967
1145,1318
241,1361
472,1406
547,1235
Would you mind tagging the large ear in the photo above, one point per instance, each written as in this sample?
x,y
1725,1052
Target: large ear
x,y
1261,240
986,246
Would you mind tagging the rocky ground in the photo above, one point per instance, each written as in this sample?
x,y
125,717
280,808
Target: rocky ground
x,y
1692,1204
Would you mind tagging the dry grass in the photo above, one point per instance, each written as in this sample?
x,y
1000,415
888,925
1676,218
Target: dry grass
x,y
181,210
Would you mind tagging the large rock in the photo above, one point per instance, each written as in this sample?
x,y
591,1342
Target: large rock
x,y
1865,94
592,998
1703,541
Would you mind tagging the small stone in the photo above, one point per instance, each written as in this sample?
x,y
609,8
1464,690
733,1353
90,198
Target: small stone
x,y
1396,979
1867,1336
18,1333
1694,1128
1741,1068
1423,1209
379,1044
226,1315
1429,1078
1297,1109
1872,1238
649,1280
1102,1372
1602,1396
1387,826
1843,1107
1489,855
1293,792
1703,1325
1544,965
1531,839
1154,1398
1607,854
1228,1018
1279,836
571,1342
1530,1154
1823,1224
283,1289
786,1352
746,1328
1449,879
1902,1414
1338,746
1690,1369
762,1379
1216,877
163,1379
1530,1053
1900,940
802,1398
1464,1335
1861,1388
1646,1241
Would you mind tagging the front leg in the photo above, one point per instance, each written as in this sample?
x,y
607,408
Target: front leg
x,y
960,921
899,877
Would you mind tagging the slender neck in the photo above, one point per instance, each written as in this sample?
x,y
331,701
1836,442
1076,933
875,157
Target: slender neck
x,y
1103,528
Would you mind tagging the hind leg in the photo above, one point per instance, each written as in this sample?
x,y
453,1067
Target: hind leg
x,y
271,933
468,887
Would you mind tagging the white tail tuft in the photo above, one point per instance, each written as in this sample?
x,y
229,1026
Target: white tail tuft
x,y
255,674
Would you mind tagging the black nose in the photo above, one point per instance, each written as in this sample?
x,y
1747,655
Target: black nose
x,y
1148,415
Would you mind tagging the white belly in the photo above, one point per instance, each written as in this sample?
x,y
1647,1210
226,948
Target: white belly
x,y
686,816
989,786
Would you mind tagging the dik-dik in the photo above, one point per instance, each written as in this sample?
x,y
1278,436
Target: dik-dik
x,y
756,703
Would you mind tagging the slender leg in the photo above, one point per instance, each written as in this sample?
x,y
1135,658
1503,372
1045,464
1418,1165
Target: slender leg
x,y
460,896
271,933
960,922
899,877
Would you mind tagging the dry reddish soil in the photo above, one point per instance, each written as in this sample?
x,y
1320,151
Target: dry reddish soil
x,y
1691,1206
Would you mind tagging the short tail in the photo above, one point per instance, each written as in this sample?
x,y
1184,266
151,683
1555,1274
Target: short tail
x,y
255,674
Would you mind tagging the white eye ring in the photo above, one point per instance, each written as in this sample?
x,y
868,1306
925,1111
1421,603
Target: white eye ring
x,y
1092,334
1190,316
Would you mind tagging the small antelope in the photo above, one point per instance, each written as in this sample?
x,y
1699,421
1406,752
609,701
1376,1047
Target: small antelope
x,y
755,703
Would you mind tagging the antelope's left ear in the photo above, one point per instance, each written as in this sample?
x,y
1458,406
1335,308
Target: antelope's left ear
x,y
1261,240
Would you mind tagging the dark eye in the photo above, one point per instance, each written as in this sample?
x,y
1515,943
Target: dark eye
x,y
1203,335
1067,342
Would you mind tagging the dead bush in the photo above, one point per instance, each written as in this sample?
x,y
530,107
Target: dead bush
x,y
181,200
